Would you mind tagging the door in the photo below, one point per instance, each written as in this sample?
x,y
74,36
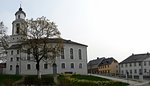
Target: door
x,y
17,69
54,68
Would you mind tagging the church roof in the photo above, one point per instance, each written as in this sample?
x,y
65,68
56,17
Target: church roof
x,y
54,40
135,58
20,11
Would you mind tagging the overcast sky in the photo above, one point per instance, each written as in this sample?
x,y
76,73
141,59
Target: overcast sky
x,y
110,28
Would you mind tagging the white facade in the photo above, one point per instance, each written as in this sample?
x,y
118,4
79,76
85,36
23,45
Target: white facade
x,y
136,68
18,62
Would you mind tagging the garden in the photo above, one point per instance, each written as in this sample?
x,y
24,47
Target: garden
x,y
62,80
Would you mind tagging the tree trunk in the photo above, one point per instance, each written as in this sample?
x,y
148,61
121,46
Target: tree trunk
x,y
38,70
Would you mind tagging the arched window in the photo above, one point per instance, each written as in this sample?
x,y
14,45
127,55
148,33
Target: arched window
x,y
72,65
10,67
62,53
11,59
63,65
71,53
17,28
80,65
17,59
80,55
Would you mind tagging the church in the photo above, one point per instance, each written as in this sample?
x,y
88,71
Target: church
x,y
72,60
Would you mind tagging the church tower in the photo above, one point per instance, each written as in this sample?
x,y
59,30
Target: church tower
x,y
18,26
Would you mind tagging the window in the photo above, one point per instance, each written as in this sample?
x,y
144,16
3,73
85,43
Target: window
x,y
149,63
17,28
12,52
126,64
130,71
11,59
135,71
140,71
139,63
28,57
130,64
18,16
144,63
45,66
28,66
71,53
62,53
135,64
17,51
80,65
10,67
17,59
145,70
80,54
63,65
72,65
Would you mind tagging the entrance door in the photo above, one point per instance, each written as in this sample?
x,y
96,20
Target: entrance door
x,y
17,69
54,68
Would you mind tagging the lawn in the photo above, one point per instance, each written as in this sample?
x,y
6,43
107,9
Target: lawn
x,y
9,79
86,80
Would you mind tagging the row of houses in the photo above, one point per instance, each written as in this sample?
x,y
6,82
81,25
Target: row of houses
x,y
133,66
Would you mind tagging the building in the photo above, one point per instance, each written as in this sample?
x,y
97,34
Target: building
x,y
73,57
135,65
105,66
94,64
109,66
2,68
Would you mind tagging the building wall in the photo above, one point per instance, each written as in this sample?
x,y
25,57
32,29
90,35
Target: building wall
x,y
109,69
134,68
23,62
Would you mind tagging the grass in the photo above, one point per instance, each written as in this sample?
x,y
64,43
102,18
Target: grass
x,y
86,80
9,79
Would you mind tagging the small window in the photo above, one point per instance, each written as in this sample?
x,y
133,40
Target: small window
x,y
18,16
28,66
130,64
126,64
12,52
17,58
72,65
130,71
17,51
135,71
144,63
71,53
135,64
80,65
139,63
10,67
11,59
63,65
145,70
45,66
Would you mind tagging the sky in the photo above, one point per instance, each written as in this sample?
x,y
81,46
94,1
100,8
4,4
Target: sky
x,y
110,28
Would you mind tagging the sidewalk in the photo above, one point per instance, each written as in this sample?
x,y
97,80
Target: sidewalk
x,y
131,82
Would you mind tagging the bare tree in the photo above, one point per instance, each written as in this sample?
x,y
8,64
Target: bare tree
x,y
3,41
43,41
